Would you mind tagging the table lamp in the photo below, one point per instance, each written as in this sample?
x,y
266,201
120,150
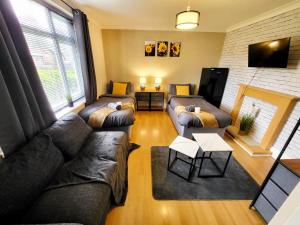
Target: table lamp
x,y
143,83
157,83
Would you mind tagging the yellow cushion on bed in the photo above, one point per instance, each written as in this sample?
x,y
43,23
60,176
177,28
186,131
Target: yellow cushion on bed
x,y
182,90
119,88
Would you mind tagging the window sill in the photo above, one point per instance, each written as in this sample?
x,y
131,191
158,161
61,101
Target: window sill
x,y
78,105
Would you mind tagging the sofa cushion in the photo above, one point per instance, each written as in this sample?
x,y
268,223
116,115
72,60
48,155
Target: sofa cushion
x,y
103,158
106,145
69,133
87,204
25,173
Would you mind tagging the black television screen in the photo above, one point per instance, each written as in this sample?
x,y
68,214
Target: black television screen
x,y
269,54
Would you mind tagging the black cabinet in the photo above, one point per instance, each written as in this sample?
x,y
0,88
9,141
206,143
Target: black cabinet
x,y
278,187
279,183
142,101
149,101
212,84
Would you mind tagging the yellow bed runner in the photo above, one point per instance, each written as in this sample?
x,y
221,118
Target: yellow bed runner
x,y
97,118
208,120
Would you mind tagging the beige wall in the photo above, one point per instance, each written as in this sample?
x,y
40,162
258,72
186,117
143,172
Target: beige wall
x,y
99,62
125,60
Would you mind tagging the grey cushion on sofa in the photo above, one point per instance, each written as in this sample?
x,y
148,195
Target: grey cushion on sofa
x,y
106,145
103,158
24,175
69,133
84,203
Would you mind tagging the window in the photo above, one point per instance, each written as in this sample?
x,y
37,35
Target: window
x,y
52,43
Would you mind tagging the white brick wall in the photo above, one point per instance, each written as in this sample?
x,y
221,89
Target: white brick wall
x,y
263,118
286,80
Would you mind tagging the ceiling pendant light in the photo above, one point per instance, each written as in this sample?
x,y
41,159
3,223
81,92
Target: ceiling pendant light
x,y
188,19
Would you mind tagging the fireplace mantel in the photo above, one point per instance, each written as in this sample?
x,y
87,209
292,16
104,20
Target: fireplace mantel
x,y
284,104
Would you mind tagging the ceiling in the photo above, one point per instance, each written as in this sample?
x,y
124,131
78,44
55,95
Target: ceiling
x,y
216,15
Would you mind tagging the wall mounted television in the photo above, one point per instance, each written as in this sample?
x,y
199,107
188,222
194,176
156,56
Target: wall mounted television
x,y
272,54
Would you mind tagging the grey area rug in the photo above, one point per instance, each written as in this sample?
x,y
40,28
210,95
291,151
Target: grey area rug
x,y
237,184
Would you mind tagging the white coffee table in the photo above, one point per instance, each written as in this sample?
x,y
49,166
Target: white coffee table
x,y
212,143
186,147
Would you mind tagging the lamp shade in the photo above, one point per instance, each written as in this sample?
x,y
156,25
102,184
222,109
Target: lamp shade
x,y
143,80
158,80
188,19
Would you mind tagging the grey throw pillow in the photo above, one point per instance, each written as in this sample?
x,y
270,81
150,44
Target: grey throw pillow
x,y
69,133
190,108
24,175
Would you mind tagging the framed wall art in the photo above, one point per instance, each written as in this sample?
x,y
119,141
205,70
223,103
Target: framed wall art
x,y
175,48
150,48
162,48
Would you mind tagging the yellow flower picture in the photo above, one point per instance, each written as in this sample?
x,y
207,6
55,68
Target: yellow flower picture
x,y
162,48
175,48
149,48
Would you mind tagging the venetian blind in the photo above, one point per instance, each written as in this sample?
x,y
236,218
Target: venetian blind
x,y
52,43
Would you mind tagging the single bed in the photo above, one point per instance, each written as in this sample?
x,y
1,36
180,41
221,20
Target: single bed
x,y
118,120
187,123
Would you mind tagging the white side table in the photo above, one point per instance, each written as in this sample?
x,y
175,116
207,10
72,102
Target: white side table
x,y
186,147
212,143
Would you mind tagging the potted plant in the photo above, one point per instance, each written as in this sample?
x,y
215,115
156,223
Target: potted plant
x,y
246,124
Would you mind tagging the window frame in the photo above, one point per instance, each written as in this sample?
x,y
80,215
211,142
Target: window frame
x,y
57,40
54,9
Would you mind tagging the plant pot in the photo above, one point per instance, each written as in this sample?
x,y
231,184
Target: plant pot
x,y
243,132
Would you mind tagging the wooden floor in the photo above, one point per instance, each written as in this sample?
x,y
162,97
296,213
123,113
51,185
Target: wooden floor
x,y
156,129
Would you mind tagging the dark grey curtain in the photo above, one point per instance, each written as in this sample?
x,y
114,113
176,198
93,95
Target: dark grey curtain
x,y
86,55
24,107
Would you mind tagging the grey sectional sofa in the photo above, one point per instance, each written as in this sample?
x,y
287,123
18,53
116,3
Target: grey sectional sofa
x,y
66,174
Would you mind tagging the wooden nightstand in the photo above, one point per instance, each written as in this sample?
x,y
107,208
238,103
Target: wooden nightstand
x,y
150,100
